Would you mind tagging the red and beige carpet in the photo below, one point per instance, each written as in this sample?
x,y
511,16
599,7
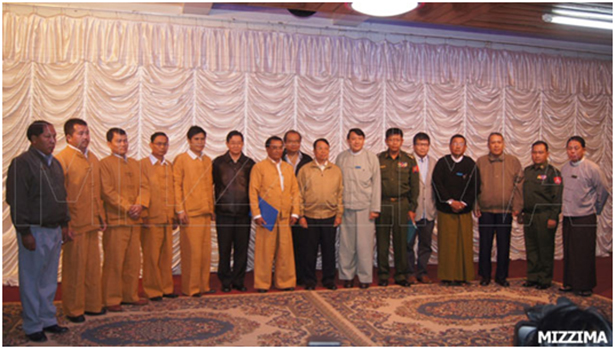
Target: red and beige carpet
x,y
422,315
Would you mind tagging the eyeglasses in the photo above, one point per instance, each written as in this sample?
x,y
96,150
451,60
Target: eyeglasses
x,y
161,144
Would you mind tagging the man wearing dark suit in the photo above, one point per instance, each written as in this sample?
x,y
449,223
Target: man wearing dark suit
x,y
297,159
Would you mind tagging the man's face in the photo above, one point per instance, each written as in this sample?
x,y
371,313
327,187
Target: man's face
x,y
394,142
575,151
457,146
275,150
321,152
80,138
159,146
119,144
46,141
496,145
421,147
292,143
355,142
235,145
197,143
539,154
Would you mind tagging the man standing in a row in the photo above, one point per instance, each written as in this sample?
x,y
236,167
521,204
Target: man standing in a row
x,y
81,271
500,199
297,159
455,179
542,203
37,197
273,181
158,221
231,175
125,192
400,190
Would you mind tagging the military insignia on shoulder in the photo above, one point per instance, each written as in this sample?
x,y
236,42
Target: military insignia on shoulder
x,y
557,180
415,168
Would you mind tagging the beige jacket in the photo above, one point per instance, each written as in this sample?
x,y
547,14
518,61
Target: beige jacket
x,y
321,191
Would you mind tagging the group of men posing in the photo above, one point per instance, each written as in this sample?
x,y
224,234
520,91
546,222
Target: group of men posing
x,y
66,200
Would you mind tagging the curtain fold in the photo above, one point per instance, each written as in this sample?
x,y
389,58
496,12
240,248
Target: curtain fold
x,y
146,77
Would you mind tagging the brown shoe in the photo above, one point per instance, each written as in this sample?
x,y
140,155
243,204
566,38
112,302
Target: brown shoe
x,y
412,280
424,279
114,308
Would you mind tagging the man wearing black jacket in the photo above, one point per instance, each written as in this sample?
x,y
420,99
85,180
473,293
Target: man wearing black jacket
x,y
231,174
297,159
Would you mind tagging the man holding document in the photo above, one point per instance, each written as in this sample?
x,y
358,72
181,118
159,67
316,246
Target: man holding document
x,y
275,204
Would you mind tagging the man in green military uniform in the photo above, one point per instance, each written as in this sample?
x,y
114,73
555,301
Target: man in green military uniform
x,y
400,191
542,203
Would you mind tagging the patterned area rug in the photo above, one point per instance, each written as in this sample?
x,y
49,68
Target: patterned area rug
x,y
423,315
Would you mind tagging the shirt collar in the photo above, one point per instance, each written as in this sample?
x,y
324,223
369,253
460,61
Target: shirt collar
x,y
48,158
299,157
577,163
275,163
357,153
457,160
494,158
121,157
422,159
154,160
321,165
229,158
87,151
194,156
541,165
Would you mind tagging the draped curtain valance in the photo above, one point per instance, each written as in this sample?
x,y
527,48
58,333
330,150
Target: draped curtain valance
x,y
145,77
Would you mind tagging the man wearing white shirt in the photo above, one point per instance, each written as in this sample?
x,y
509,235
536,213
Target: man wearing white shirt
x,y
273,181
425,212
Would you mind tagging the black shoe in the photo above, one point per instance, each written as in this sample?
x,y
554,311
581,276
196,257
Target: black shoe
x,y
76,319
543,286
156,299
170,295
348,284
226,289
565,289
454,283
583,293
363,285
403,283
103,311
196,295
310,287
37,337
288,289
502,283
241,288
57,329
529,283
446,282
331,287
383,283
261,290
485,281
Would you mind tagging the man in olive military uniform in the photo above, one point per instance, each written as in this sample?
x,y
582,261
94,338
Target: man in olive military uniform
x,y
400,191
542,197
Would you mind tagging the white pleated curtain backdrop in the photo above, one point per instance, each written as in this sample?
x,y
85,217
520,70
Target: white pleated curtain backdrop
x,y
147,77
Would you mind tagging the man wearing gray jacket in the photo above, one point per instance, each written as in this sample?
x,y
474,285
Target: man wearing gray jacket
x,y
361,175
425,212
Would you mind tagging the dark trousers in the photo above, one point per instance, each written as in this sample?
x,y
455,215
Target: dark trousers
x,y
298,247
579,235
319,232
424,230
539,247
498,224
393,220
233,234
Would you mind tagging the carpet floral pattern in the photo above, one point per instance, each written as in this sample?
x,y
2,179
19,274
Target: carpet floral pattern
x,y
422,315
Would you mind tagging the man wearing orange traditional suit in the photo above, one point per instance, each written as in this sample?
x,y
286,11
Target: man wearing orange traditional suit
x,y
192,174
158,224
124,191
273,181
81,279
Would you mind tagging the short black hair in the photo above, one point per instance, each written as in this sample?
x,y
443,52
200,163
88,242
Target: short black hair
x,y
356,131
156,134
494,134
421,136
195,130
578,139
233,134
69,126
321,140
539,143
291,131
457,136
36,128
271,139
114,130
393,131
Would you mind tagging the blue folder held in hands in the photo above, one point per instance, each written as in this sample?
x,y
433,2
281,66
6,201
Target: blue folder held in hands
x,y
268,212
411,230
